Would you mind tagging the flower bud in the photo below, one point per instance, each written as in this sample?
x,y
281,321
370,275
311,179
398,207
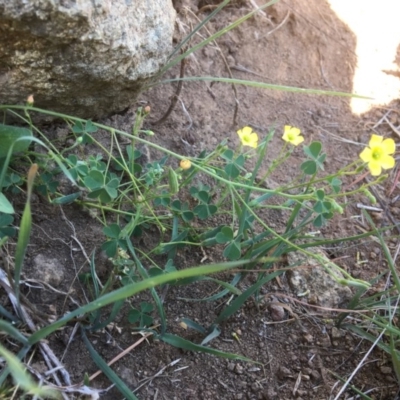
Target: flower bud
x,y
185,164
147,110
30,100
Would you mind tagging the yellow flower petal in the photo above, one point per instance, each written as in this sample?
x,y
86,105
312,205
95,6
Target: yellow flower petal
x,y
387,162
378,154
375,140
292,135
375,168
366,155
248,137
292,130
389,146
296,141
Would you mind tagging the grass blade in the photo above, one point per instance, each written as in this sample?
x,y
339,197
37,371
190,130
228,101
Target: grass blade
x,y
215,36
23,379
13,332
181,343
108,372
130,290
24,231
261,85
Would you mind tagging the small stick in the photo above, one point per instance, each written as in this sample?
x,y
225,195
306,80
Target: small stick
x,y
175,97
120,355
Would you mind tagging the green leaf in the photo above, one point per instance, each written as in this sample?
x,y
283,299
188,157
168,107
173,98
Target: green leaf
x,y
181,343
23,379
112,231
232,171
335,183
228,155
309,167
320,161
146,307
70,198
94,180
108,372
203,211
5,206
313,150
212,335
13,136
232,251
226,235
203,196
320,194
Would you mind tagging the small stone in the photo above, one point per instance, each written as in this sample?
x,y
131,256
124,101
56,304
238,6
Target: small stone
x,y
386,370
49,270
325,341
336,334
284,373
239,369
255,387
270,394
373,255
308,338
231,366
315,375
276,311
239,396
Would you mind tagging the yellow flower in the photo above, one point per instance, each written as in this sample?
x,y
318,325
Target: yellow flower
x,y
292,135
248,137
378,154
185,164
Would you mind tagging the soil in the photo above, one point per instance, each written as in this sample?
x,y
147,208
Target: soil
x,y
300,354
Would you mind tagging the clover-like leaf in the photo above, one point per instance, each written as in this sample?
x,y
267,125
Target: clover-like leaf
x,y
225,235
232,251
309,167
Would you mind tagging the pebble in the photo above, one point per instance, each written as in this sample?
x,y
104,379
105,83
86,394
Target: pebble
x,y
277,312
49,270
284,372
386,370
239,369
336,334
315,375
308,338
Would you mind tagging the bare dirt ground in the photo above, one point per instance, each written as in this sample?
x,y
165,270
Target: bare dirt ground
x,y
296,43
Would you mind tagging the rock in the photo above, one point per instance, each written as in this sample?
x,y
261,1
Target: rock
x,y
88,58
315,375
48,270
284,372
386,370
312,280
336,333
276,311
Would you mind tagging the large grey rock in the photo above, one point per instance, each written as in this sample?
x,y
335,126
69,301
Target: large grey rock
x,y
87,58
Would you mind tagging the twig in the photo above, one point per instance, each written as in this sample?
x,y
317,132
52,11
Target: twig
x,y
384,206
235,113
253,3
120,355
391,125
279,25
175,97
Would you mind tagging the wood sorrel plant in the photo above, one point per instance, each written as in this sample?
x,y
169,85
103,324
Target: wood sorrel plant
x,y
169,193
